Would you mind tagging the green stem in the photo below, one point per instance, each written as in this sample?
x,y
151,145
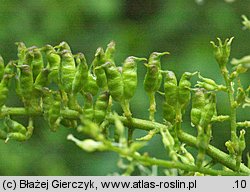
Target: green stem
x,y
152,106
230,90
149,161
146,125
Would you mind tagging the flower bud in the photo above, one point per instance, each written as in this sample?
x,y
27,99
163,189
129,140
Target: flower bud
x,y
222,51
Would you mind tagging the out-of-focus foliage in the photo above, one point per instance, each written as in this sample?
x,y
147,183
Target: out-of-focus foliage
x,y
184,28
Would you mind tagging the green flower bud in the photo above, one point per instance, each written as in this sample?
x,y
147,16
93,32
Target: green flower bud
x,y
14,126
21,49
63,46
88,145
26,84
91,86
101,107
244,61
67,70
114,79
170,88
184,94
208,111
154,59
169,113
245,22
16,136
53,62
81,76
222,51
99,72
4,90
42,80
109,52
37,62
129,76
198,104
88,109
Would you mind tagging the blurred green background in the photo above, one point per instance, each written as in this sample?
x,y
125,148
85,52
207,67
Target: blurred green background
x,y
139,27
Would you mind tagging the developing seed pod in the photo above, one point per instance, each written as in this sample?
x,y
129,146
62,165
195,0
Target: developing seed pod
x,y
26,81
169,113
9,68
54,113
91,86
29,56
51,107
37,62
67,70
114,79
129,76
153,78
14,126
4,90
1,67
99,60
81,76
109,52
88,109
170,88
208,111
101,107
184,90
54,60
21,49
16,136
198,104
73,103
42,80
154,59
63,46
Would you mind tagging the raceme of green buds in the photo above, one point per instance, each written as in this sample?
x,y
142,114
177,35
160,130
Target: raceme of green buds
x,y
222,51
60,86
